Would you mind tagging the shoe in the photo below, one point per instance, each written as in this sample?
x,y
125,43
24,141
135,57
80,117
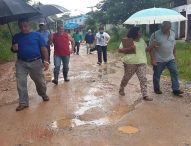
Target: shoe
x,y
66,80
146,98
177,92
99,63
55,82
45,98
158,91
121,92
21,107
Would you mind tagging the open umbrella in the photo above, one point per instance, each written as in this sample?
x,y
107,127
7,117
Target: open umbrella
x,y
12,10
49,10
154,16
71,25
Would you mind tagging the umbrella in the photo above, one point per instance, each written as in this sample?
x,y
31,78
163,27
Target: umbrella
x,y
12,10
154,16
48,10
71,25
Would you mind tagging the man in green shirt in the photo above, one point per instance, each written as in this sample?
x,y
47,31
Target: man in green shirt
x,y
77,38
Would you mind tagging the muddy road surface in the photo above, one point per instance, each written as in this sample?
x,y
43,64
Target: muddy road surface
x,y
88,111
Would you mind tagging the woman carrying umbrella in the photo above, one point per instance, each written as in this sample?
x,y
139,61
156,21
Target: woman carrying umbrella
x,y
135,63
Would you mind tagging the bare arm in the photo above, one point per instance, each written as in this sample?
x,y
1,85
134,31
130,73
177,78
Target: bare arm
x,y
45,55
72,41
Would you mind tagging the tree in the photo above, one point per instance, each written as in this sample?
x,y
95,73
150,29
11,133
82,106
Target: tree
x,y
117,11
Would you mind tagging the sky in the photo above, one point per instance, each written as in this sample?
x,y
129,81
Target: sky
x,y
75,6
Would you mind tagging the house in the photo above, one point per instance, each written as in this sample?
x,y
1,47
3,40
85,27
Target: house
x,y
183,29
76,19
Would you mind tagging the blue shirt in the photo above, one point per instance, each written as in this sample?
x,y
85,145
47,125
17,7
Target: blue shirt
x,y
45,35
89,38
29,45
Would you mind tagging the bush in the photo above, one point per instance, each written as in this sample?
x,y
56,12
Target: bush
x,y
5,44
117,33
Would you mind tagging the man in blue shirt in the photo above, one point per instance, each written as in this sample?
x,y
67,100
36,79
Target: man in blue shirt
x,y
89,38
46,35
29,46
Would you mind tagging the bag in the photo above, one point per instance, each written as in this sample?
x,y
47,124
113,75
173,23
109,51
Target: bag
x,y
128,46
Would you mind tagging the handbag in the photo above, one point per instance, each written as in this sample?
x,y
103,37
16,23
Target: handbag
x,y
128,46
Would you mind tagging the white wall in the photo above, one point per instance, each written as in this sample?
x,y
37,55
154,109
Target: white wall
x,y
179,9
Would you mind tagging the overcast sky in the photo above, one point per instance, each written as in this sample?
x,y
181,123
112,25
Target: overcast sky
x,y
75,6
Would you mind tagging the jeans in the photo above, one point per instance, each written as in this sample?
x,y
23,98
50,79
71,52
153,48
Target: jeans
x,y
34,69
77,44
57,63
101,49
158,69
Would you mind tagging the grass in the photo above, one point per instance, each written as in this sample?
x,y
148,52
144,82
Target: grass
x,y
5,53
5,44
183,58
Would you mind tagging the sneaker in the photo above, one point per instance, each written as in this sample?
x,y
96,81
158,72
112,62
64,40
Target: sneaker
x,y
99,63
45,98
146,98
177,92
158,91
55,82
21,107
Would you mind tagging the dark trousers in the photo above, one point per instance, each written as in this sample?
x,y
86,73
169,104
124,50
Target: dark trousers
x,y
102,50
77,44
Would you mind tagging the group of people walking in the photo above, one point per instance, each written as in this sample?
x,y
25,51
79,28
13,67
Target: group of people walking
x,y
162,51
33,52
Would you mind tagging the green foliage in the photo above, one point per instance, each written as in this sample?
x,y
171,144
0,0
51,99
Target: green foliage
x,y
117,11
91,24
5,44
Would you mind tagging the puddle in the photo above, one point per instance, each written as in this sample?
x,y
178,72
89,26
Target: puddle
x,y
107,70
119,112
83,75
92,111
115,116
128,130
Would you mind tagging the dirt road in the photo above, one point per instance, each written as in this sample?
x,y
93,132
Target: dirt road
x,y
88,111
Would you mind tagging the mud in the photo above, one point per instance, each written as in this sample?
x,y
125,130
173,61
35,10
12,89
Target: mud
x,y
88,111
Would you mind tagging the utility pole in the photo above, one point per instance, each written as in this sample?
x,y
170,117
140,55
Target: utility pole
x,y
92,8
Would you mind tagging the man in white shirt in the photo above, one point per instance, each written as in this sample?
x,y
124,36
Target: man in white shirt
x,y
102,39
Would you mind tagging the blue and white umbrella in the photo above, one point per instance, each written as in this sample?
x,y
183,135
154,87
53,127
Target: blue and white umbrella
x,y
71,25
154,16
